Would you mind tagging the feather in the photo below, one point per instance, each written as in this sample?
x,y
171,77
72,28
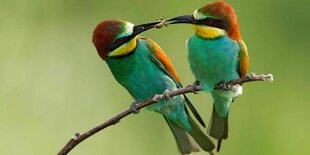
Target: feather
x,y
163,62
243,59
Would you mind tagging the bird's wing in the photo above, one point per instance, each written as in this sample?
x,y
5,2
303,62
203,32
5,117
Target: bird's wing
x,y
164,63
243,59
161,59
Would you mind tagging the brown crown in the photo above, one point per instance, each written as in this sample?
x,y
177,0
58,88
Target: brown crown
x,y
225,12
104,34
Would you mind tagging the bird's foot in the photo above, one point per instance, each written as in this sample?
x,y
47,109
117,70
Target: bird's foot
x,y
133,108
194,86
252,75
166,95
224,86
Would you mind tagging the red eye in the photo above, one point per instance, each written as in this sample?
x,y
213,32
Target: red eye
x,y
209,21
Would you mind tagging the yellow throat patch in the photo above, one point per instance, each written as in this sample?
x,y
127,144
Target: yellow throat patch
x,y
208,32
125,48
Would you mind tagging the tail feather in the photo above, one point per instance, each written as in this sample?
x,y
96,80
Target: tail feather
x,y
200,137
193,141
218,127
184,143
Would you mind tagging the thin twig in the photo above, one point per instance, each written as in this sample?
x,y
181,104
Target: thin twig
x,y
78,138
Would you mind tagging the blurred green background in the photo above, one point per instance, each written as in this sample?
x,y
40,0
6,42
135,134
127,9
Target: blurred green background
x,y
53,84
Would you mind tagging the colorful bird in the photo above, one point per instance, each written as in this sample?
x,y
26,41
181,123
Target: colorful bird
x,y
140,65
216,54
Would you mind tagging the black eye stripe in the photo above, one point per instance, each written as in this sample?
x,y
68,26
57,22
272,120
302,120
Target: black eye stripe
x,y
111,47
214,23
117,43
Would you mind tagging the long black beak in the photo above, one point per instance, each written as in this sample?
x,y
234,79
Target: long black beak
x,y
185,19
137,29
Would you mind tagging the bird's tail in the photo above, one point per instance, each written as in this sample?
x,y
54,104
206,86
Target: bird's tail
x,y
218,128
190,141
218,125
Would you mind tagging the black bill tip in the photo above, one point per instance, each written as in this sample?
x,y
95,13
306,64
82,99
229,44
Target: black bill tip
x,y
143,27
185,19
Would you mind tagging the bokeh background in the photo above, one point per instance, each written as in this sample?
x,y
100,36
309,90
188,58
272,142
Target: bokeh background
x,y
53,84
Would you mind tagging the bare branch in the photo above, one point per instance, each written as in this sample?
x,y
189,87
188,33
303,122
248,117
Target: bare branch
x,y
78,138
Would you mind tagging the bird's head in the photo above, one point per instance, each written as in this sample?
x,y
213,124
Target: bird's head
x,y
212,20
113,38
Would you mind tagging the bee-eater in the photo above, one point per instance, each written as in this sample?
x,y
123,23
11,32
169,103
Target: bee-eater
x,y
216,54
140,65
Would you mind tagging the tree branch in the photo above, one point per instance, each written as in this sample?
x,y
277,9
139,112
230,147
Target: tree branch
x,y
78,138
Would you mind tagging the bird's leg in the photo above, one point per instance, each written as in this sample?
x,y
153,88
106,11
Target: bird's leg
x,y
194,86
133,108
224,86
211,153
165,94
162,23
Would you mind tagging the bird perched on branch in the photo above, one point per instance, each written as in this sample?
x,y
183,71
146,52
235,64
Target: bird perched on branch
x,y
140,65
216,54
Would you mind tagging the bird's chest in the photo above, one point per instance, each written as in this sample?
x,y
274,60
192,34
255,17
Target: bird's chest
x,y
213,61
138,74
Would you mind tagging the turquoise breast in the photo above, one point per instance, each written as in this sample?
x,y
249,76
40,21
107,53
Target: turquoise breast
x,y
213,60
143,78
